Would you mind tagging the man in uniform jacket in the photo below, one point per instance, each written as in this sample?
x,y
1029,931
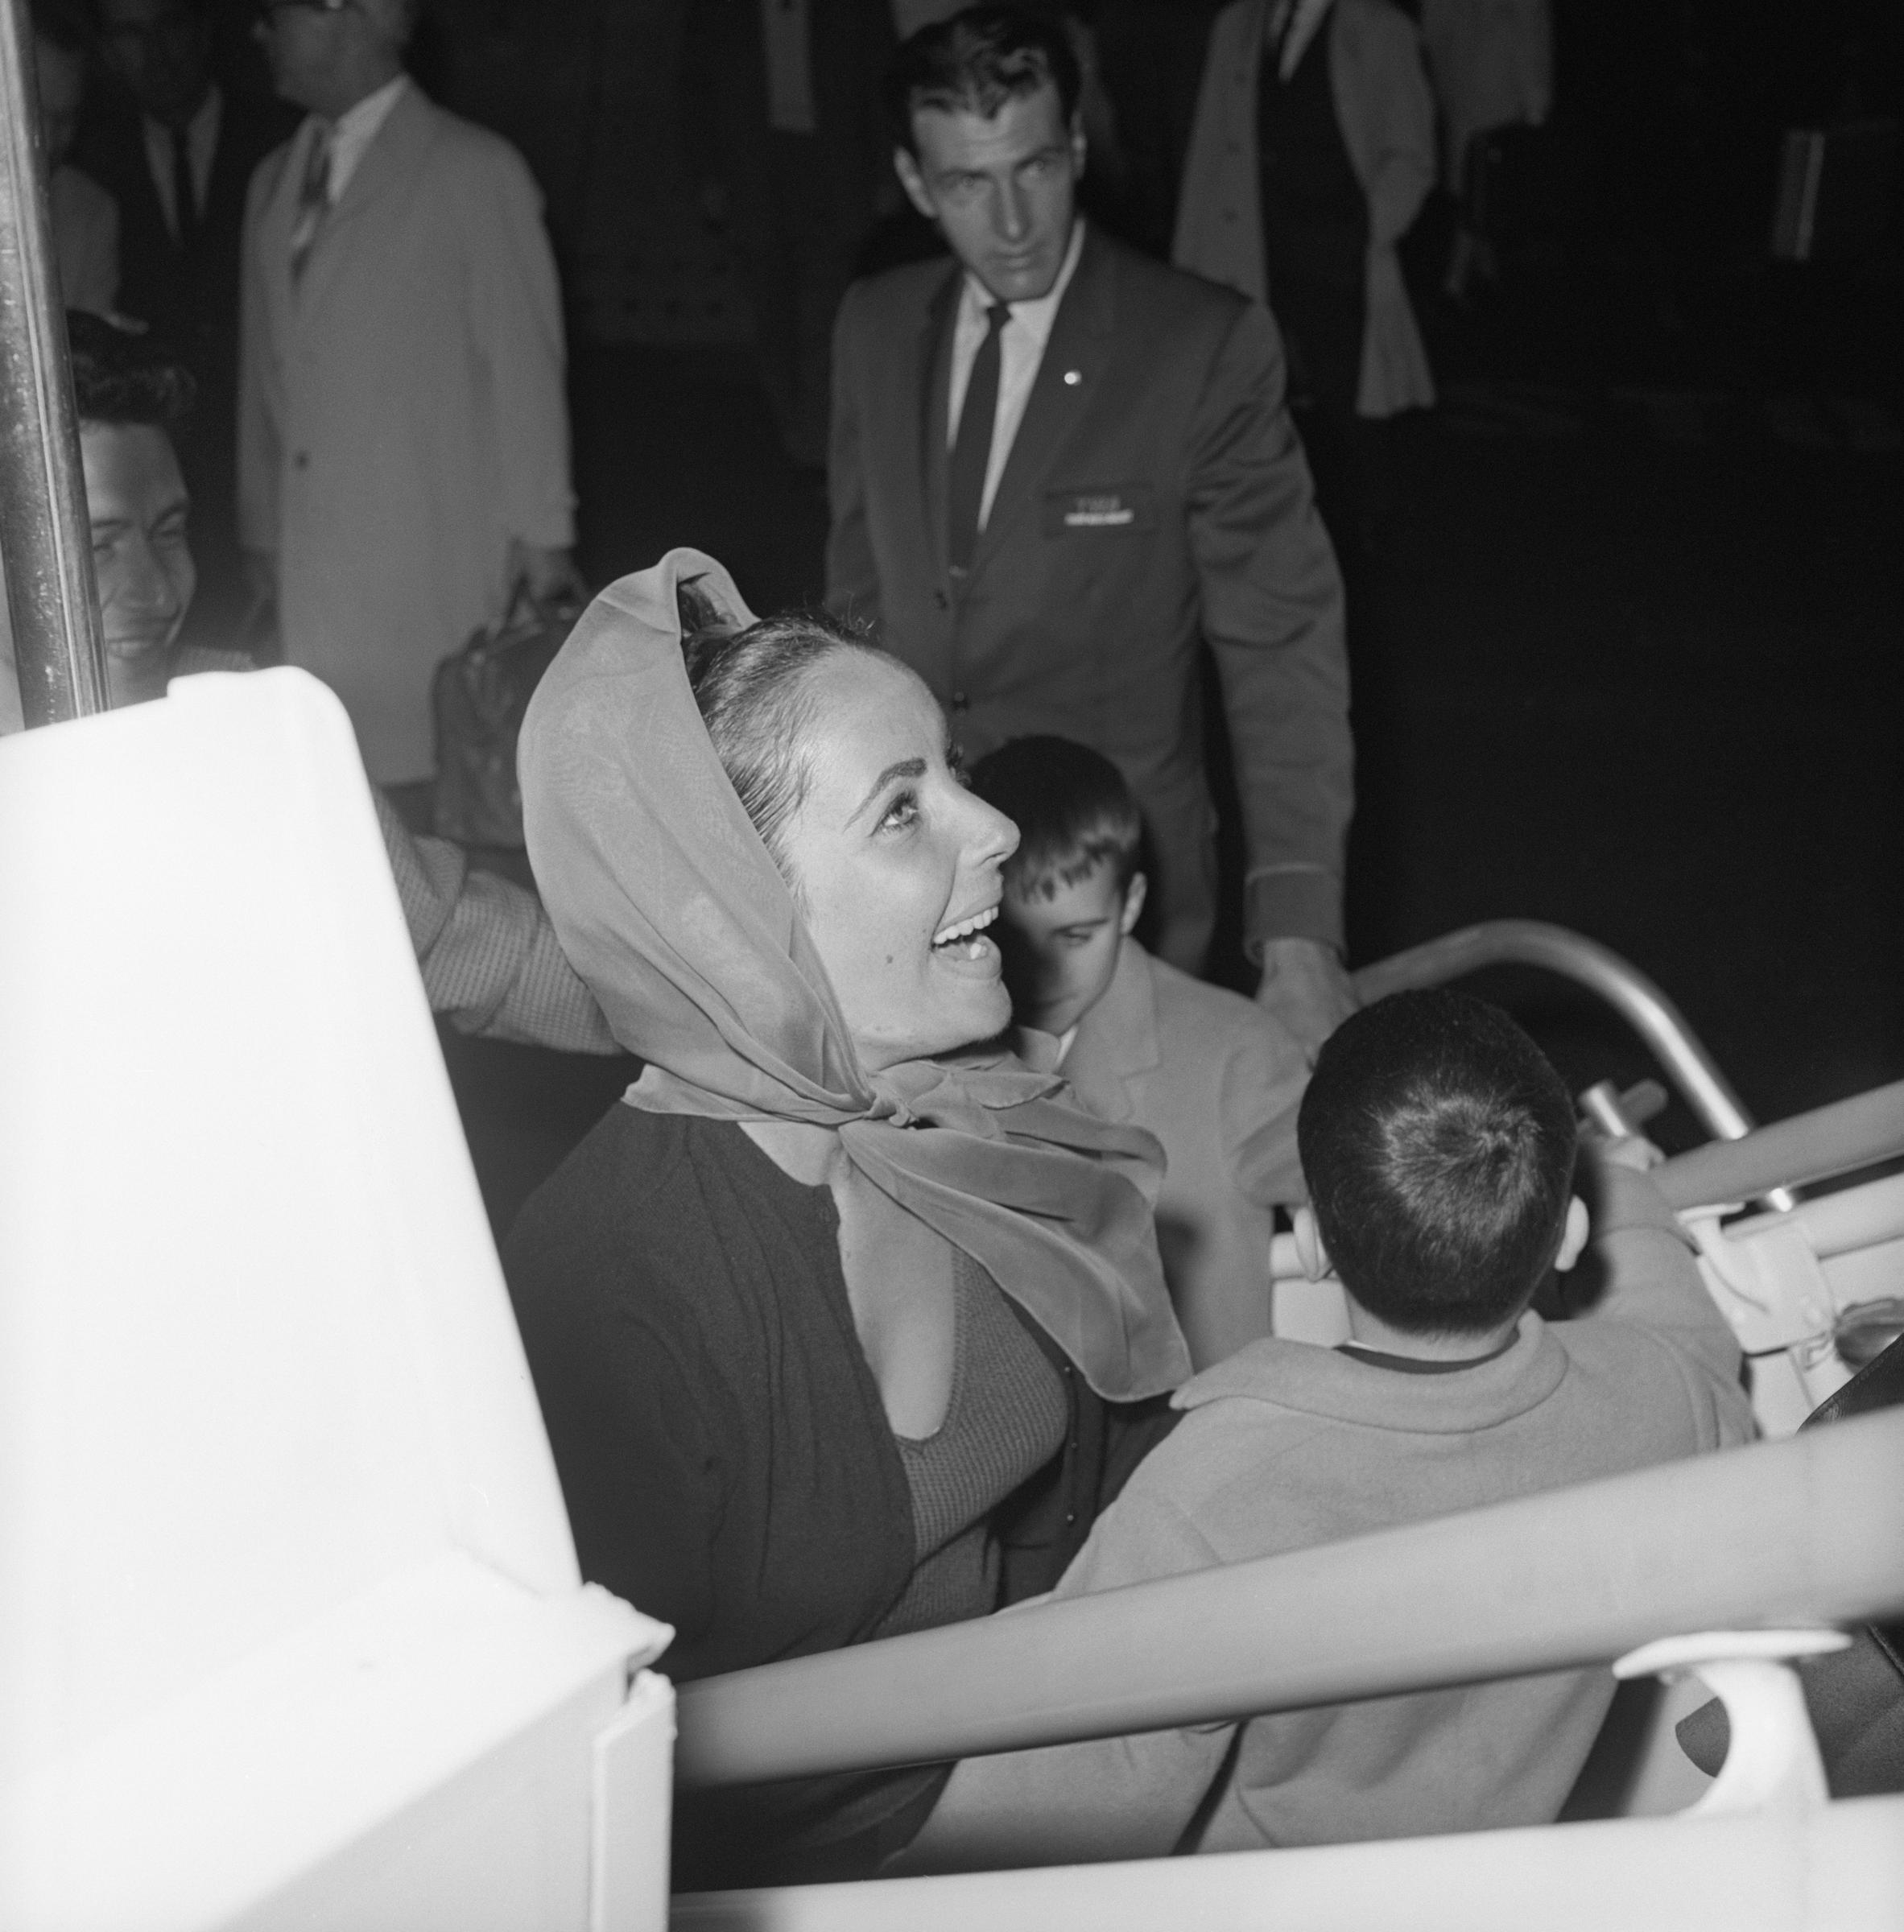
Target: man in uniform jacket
x,y
404,435
1051,562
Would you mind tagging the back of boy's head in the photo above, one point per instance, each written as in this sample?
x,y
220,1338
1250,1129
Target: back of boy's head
x,y
1073,810
1439,1144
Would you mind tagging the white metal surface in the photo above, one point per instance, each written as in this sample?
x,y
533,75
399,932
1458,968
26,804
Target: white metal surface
x,y
291,1626
425,1746
633,1804
1786,1281
1840,1869
1772,1764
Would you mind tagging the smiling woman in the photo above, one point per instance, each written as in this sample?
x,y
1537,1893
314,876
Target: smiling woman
x,y
844,1324
895,865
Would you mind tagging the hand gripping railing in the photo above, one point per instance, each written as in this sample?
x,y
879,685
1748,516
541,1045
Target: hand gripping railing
x,y
1588,964
1782,1533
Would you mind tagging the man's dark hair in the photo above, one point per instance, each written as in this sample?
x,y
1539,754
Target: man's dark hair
x,y
1439,1146
976,61
1073,810
120,376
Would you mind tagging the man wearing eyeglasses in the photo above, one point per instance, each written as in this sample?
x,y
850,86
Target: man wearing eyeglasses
x,y
402,436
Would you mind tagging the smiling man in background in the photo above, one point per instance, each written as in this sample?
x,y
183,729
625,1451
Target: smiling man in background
x,y
490,962
1057,468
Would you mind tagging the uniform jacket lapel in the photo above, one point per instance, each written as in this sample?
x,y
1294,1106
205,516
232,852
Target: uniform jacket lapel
x,y
1080,345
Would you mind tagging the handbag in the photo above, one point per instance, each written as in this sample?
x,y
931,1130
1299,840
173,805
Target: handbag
x,y
478,697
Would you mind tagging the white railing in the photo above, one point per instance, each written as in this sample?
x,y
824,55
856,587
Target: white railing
x,y
1780,1532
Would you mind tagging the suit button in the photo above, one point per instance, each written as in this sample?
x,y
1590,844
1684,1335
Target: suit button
x,y
961,702
940,601
301,460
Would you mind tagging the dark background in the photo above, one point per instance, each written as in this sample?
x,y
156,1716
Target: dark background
x,y
1629,660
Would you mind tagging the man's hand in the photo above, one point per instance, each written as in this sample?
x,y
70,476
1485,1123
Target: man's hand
x,y
1305,986
550,576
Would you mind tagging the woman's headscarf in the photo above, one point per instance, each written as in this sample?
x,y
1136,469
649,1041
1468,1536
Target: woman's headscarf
x,y
673,911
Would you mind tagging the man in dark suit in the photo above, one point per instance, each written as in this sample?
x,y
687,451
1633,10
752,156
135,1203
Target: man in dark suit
x,y
177,153
1057,468
795,138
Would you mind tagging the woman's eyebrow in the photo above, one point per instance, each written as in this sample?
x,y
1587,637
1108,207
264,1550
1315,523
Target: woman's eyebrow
x,y
907,768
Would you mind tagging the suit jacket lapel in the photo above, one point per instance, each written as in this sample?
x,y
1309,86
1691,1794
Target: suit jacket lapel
x,y
1116,1040
274,238
1080,344
935,354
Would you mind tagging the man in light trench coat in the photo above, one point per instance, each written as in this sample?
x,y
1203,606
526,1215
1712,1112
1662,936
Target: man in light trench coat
x,y
404,438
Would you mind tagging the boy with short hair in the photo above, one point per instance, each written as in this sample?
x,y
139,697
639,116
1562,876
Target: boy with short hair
x,y
1211,1073
1440,1149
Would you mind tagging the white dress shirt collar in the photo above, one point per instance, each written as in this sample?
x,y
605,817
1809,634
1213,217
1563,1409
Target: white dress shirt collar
x,y
1035,318
354,131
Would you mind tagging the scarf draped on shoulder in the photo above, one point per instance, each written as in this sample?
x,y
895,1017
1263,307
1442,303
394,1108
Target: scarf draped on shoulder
x,y
672,910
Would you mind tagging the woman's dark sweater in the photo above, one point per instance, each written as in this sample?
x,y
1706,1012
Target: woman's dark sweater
x,y
721,1439
722,1445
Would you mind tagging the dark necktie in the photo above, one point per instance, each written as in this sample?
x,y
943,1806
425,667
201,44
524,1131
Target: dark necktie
x,y
972,449
184,201
314,199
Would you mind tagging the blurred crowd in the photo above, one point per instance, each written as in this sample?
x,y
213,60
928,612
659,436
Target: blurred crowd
x,y
1287,149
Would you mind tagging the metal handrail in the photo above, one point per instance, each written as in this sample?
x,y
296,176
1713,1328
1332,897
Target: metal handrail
x,y
1588,964
1782,1533
45,536
1836,1139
